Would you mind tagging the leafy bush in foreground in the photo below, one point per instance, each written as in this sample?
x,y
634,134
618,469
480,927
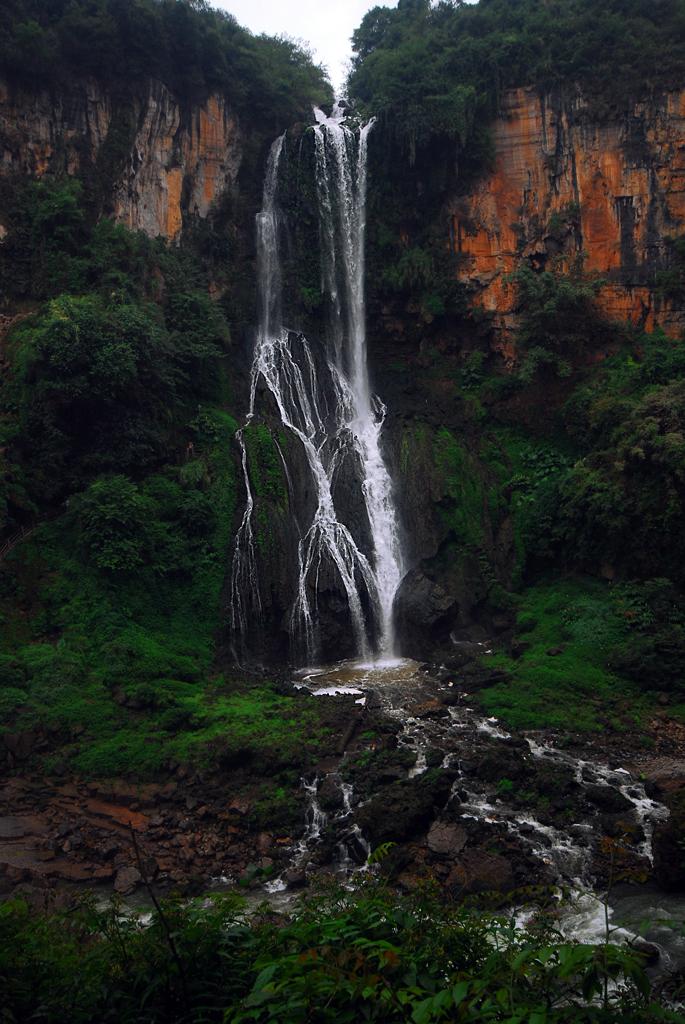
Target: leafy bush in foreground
x,y
340,957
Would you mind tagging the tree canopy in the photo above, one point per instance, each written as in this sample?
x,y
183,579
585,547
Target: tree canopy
x,y
186,44
438,69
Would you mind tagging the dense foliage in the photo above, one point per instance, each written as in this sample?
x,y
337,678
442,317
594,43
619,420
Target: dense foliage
x,y
437,70
117,475
116,455
594,487
186,44
339,957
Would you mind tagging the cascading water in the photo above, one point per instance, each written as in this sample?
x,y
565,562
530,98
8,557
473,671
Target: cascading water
x,y
325,403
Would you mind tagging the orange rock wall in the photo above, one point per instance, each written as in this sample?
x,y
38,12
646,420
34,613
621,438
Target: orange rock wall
x,y
617,186
180,161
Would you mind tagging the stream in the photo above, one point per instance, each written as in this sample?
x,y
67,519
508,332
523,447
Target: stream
x,y
562,851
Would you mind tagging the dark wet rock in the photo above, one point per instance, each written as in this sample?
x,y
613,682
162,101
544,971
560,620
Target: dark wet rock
x,y
668,848
608,799
387,766
127,879
555,781
424,610
434,758
404,809
446,838
479,676
502,761
621,826
479,871
518,648
19,746
356,847
666,780
431,709
462,656
330,795
648,950
295,878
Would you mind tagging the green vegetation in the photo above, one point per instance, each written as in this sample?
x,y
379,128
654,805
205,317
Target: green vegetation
x,y
527,471
434,72
116,449
558,321
567,633
461,505
623,500
186,44
267,477
340,956
593,489
598,486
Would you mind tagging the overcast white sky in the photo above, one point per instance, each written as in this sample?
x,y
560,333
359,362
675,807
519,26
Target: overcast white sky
x,y
326,25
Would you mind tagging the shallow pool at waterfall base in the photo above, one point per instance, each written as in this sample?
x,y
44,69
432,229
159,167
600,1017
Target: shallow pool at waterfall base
x,y
354,677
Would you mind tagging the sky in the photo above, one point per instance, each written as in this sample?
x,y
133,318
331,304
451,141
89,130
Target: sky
x,y
326,25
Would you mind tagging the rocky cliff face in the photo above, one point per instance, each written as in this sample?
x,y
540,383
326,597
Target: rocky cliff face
x,y
565,184
163,162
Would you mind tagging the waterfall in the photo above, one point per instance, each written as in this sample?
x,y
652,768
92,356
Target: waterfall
x,y
326,404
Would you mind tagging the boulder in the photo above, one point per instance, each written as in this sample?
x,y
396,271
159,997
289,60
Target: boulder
x,y
478,870
608,799
668,849
502,761
446,839
127,879
329,794
404,809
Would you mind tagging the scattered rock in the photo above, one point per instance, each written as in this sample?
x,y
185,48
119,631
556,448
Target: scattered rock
x,y
650,952
608,799
445,839
479,870
127,879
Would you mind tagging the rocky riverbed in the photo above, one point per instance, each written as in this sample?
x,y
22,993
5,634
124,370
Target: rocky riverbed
x,y
411,762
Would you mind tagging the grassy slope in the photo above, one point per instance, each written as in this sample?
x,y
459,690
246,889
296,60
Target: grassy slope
x,y
567,629
121,672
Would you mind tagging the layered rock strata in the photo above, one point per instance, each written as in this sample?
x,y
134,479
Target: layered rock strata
x,y
568,185
168,162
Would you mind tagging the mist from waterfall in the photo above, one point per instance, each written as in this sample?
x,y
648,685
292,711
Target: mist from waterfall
x,y
326,403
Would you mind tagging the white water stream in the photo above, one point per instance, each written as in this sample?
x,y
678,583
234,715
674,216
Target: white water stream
x,y
326,404
565,852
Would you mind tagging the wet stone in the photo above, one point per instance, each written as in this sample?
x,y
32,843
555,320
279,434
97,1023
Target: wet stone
x,y
446,839
606,798
127,879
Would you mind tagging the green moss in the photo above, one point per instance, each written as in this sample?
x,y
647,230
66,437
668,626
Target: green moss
x,y
276,808
463,501
267,478
562,679
527,471
415,440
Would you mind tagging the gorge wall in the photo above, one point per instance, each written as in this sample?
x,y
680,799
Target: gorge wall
x,y
164,160
566,182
